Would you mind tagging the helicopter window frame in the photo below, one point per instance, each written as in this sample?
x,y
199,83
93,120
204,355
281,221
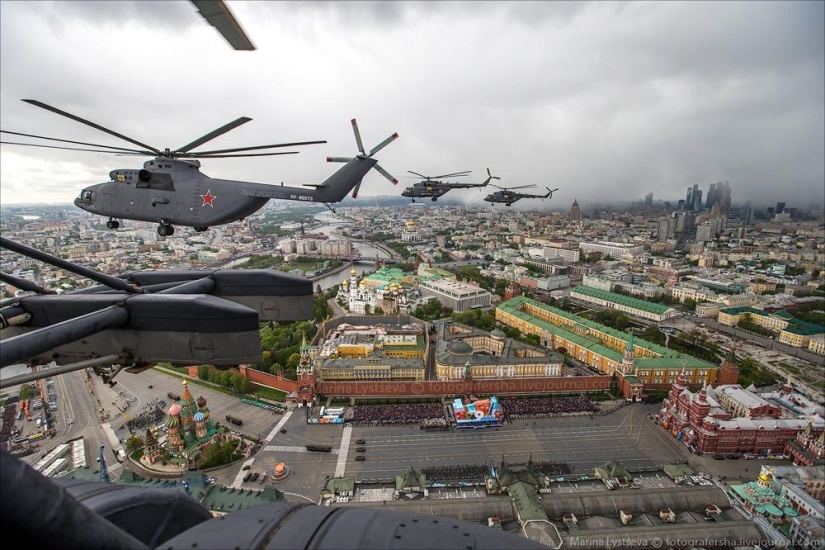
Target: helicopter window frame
x,y
86,195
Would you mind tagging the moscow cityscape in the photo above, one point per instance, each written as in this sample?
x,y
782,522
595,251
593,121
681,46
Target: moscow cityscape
x,y
607,330
661,346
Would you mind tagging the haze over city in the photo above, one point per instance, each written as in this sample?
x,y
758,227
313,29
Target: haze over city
x,y
607,101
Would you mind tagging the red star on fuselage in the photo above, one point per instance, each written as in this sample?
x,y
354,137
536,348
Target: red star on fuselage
x,y
208,198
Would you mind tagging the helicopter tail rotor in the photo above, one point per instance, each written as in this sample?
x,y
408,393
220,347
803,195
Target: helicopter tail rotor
x,y
364,155
490,177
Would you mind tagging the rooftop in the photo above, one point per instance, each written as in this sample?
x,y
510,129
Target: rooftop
x,y
628,301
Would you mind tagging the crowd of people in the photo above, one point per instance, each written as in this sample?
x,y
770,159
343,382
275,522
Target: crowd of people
x,y
453,473
546,406
390,415
552,468
147,418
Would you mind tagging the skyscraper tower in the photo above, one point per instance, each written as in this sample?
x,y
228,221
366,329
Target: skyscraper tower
x,y
724,199
697,199
575,212
711,196
688,201
780,207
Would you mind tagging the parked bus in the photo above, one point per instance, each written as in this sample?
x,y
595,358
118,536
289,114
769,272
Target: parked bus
x,y
236,421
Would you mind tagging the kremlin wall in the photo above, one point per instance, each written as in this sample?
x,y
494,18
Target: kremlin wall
x,y
627,364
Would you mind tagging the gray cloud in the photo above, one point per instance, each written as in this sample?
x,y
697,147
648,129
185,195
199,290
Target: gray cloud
x,y
604,100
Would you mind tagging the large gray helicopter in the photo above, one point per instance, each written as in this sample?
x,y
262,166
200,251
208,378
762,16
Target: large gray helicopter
x,y
432,187
170,189
508,196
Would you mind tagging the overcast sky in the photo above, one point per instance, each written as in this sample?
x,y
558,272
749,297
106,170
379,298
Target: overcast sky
x,y
606,101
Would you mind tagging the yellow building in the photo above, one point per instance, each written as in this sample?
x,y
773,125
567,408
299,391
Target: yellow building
x,y
817,344
372,369
606,349
465,351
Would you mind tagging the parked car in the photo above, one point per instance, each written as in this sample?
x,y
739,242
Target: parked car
x,y
360,458
254,477
360,449
360,441
246,477
283,430
246,467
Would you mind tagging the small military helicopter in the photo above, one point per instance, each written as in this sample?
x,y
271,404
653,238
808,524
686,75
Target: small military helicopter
x,y
508,196
432,187
171,190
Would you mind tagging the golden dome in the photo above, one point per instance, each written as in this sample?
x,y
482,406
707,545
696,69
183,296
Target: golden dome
x,y
345,282
410,223
764,477
352,272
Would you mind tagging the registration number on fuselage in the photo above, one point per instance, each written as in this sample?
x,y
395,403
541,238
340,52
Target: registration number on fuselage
x,y
275,195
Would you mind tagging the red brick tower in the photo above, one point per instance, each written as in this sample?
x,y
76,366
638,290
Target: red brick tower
x,y
699,408
306,374
729,370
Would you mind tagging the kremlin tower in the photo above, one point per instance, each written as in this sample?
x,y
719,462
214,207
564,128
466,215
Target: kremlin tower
x,y
729,371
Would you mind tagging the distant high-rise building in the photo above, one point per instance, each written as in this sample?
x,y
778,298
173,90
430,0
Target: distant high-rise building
x,y
770,212
747,216
793,212
575,212
681,204
711,200
780,207
705,231
724,197
688,201
697,200
667,228
649,199
661,234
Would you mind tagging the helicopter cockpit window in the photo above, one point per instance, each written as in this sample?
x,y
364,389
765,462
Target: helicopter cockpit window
x,y
86,195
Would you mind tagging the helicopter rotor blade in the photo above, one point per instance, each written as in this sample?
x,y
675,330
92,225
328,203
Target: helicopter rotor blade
x,y
383,144
73,148
386,174
455,175
419,175
213,134
357,137
70,141
255,148
355,191
89,123
241,155
339,159
523,186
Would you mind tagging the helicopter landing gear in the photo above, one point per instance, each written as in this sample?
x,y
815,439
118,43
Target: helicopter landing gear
x,y
508,204
112,224
413,200
201,229
434,199
164,230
